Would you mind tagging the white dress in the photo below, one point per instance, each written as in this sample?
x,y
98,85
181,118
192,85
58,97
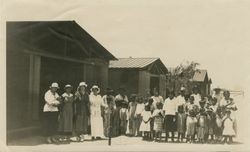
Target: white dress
x,y
228,128
96,120
146,115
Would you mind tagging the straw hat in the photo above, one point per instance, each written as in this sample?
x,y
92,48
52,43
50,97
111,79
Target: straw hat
x,y
95,87
54,85
82,84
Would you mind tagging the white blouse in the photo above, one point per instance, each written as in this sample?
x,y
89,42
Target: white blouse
x,y
51,102
170,106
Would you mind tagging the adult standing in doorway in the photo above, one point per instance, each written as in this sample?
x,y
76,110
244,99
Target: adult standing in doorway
x,y
120,99
81,111
50,109
196,95
96,120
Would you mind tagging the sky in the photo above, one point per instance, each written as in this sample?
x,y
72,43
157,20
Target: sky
x,y
214,33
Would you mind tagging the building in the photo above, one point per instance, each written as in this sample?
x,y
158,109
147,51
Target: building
x,y
203,82
138,75
39,53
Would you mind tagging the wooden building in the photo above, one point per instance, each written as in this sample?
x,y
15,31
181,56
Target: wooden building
x,y
138,75
203,82
39,53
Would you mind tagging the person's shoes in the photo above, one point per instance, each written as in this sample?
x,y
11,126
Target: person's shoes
x,y
92,138
49,141
98,138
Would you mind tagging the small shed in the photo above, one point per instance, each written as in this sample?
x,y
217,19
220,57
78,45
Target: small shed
x,y
203,82
42,52
138,75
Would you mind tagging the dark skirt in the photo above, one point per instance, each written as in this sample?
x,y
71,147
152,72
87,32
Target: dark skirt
x,y
170,124
50,123
82,124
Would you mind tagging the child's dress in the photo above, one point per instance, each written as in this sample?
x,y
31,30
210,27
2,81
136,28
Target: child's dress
x,y
181,122
202,126
191,125
218,126
228,127
158,120
145,124
123,120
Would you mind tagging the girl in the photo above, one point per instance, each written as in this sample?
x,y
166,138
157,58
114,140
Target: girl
x,y
123,118
181,123
66,117
158,116
145,124
96,120
202,125
131,115
211,121
218,126
228,131
191,121
139,108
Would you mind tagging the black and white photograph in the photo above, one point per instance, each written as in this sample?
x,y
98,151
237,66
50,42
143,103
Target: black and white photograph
x,y
125,75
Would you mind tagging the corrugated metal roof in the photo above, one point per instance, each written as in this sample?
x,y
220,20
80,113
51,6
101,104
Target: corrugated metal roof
x,y
131,62
200,75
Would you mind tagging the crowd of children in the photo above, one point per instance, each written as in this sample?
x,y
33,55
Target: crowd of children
x,y
208,120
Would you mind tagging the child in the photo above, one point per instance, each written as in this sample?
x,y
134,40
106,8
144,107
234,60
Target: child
x,y
145,124
228,131
158,120
66,116
152,108
202,125
191,121
131,115
138,118
181,123
218,126
123,118
211,123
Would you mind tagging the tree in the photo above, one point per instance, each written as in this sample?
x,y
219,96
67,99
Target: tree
x,y
182,75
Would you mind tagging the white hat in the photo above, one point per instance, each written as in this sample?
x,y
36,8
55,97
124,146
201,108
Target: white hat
x,y
54,85
95,87
68,86
183,88
82,84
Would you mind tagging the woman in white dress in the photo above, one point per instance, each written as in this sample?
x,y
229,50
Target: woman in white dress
x,y
96,120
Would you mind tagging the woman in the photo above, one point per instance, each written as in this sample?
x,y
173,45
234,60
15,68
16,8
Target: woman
x,y
81,111
108,107
66,116
95,113
50,109
170,111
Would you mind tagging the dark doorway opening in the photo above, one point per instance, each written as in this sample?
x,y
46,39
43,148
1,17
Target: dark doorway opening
x,y
154,84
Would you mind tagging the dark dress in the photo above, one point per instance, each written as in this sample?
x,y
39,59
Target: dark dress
x,y
66,116
82,113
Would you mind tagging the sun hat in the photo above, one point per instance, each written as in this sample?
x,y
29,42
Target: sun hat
x,y
68,86
54,85
83,84
95,87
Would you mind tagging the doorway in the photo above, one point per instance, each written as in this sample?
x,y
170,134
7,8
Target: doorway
x,y
154,83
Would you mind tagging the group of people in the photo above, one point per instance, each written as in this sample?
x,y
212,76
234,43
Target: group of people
x,y
195,118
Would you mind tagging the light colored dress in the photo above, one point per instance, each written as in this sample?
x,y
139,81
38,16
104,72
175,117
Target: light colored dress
x,y
228,127
96,120
158,120
181,122
145,124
